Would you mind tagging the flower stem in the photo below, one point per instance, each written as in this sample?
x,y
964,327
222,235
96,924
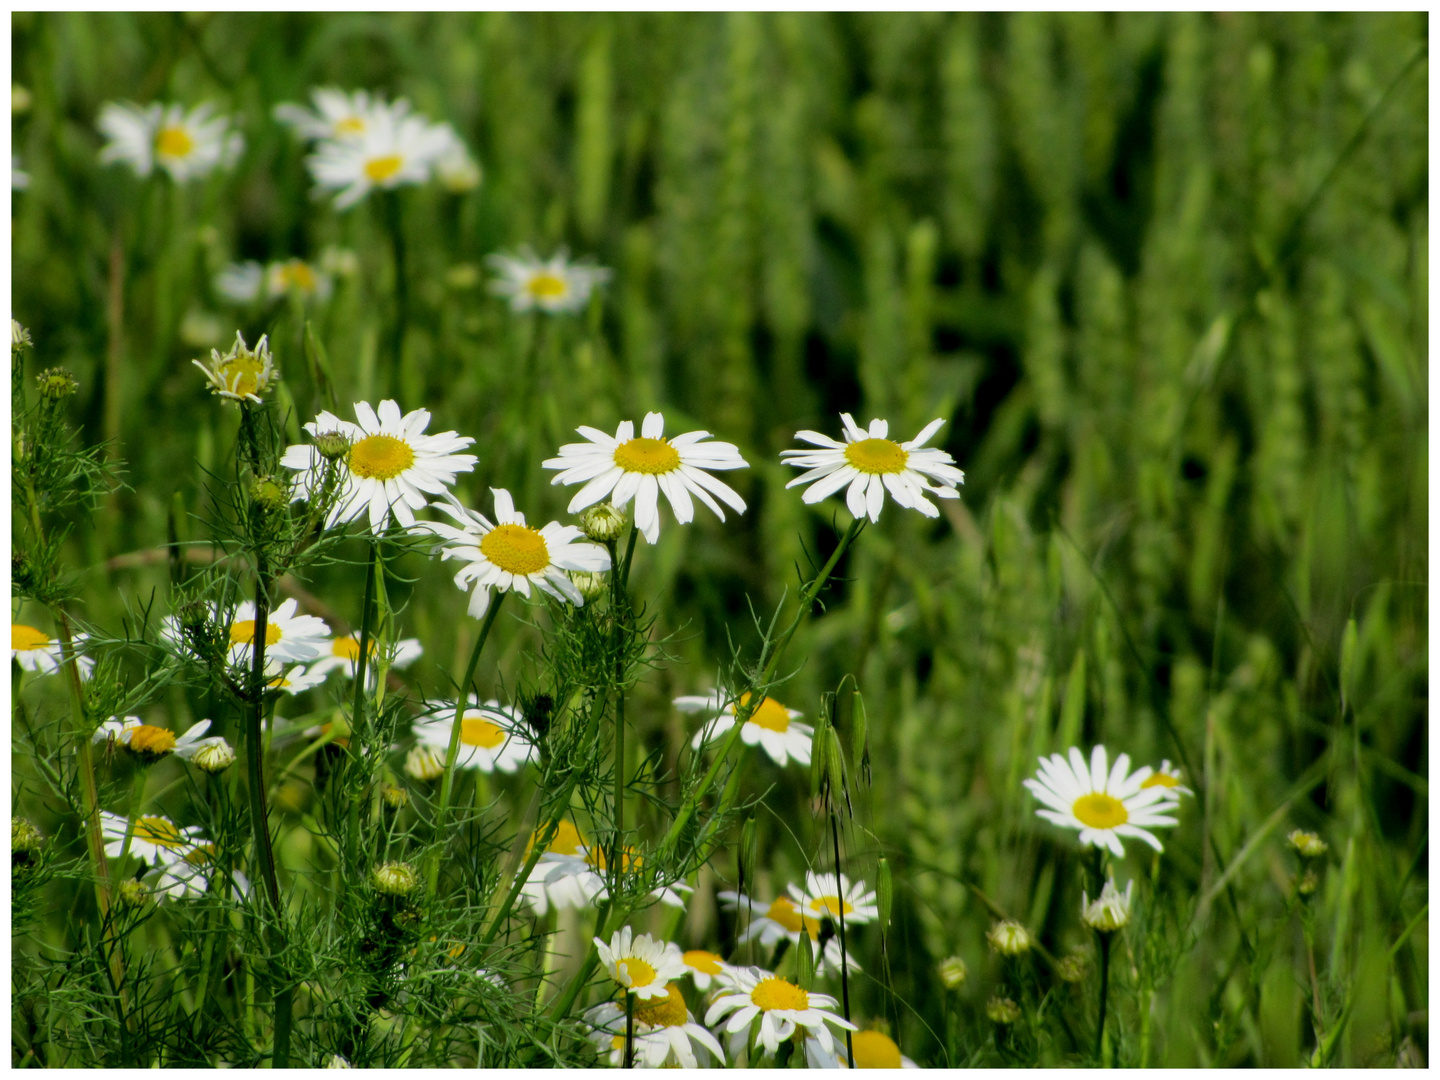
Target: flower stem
x,y
367,618
1104,994
620,604
452,752
844,953
629,1030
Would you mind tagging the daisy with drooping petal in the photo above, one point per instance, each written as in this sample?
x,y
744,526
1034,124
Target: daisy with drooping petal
x,y
492,736
35,650
703,967
185,145
871,464
1103,803
771,726
242,374
627,467
390,152
752,994
665,1034
288,635
824,895
642,965
344,655
157,840
552,285
1167,776
390,466
508,554
338,115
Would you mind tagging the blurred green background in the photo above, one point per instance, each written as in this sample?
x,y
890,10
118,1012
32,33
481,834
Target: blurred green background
x,y
1164,275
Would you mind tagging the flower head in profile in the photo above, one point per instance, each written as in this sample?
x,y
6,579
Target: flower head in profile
x,y
704,967
151,743
1110,911
771,726
35,650
1104,804
187,145
337,115
872,1050
642,965
782,920
1167,776
627,467
553,285
665,1033
344,655
772,1008
870,463
508,554
392,151
243,373
492,736
388,466
155,839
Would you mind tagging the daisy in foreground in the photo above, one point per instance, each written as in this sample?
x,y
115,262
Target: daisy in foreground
x,y
508,554
35,650
155,742
155,839
1102,802
642,965
553,285
242,374
185,145
388,467
771,726
665,1034
627,467
491,737
871,463
752,993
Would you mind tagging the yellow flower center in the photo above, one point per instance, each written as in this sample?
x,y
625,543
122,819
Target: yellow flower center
x,y
516,549
146,739
874,1051
547,286
199,856
830,905
242,632
350,125
667,1013
653,456
296,274
567,840
347,648
475,731
877,456
630,861
381,457
156,830
775,993
769,714
174,142
1161,779
640,972
241,374
381,169
783,911
26,638
1100,811
701,960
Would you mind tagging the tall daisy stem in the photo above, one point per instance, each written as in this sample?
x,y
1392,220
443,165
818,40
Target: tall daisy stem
x,y
629,1030
1104,994
367,620
844,951
620,607
452,752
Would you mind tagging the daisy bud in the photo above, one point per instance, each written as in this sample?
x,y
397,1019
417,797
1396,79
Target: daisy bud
x,y
1308,844
215,757
885,892
394,879
19,338
397,798
332,445
268,495
423,763
592,586
25,843
1071,969
335,1061
1009,938
133,894
56,384
953,973
1307,884
1110,911
603,522
1002,1010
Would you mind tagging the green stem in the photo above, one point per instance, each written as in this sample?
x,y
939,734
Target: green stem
x,y
844,952
1104,994
452,752
367,618
629,1030
619,603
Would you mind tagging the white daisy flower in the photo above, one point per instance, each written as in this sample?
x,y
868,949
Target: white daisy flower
x,y
189,877
642,965
781,920
293,680
553,285
1103,803
703,967
288,635
1110,911
771,726
423,763
296,276
508,554
242,282
569,890
338,115
185,145
35,650
151,741
627,467
872,1049
157,840
243,373
390,152
344,655
752,994
492,736
825,895
389,467
871,464
1167,776
665,1034
586,870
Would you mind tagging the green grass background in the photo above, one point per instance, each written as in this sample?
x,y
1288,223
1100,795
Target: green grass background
x,y
1165,276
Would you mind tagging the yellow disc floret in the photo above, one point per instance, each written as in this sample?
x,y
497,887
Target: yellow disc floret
x,y
156,830
155,741
640,972
775,993
1161,779
653,456
242,632
669,1012
704,961
381,169
547,287
26,638
877,456
783,911
769,714
830,905
174,142
381,457
516,549
241,374
475,731
874,1051
350,125
1100,811
297,274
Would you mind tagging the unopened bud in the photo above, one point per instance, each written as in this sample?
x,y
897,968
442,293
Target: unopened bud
x,y
1002,1010
332,445
423,763
592,586
19,337
133,894
1308,844
953,973
603,522
1110,911
397,798
1308,883
25,840
1009,938
268,495
885,892
335,1061
214,757
1071,969
56,384
394,879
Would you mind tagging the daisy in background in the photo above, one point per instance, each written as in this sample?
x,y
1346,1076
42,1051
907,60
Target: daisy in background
x,y
781,920
292,680
338,115
154,742
772,1008
155,839
247,282
19,178
191,876
627,467
344,655
871,464
508,554
35,650
1103,803
185,145
553,285
390,152
243,373
588,870
704,967
389,467
665,1034
1167,776
569,890
825,895
288,635
492,736
771,726
872,1049
640,964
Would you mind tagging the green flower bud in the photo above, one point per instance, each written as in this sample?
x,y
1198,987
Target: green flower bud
x,y
394,879
133,894
56,384
1009,938
269,495
592,586
603,522
335,1061
214,757
25,843
423,763
1309,845
953,973
1002,1010
1071,969
397,798
1308,883
332,445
